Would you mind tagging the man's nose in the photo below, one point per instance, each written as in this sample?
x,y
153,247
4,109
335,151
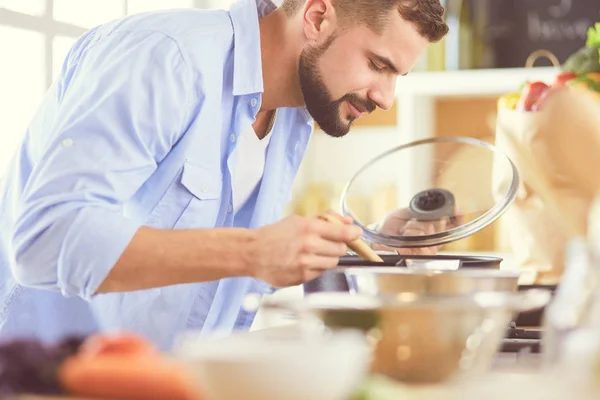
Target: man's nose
x,y
384,94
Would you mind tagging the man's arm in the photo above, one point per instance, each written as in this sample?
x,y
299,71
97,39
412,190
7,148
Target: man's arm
x,y
158,257
286,253
125,101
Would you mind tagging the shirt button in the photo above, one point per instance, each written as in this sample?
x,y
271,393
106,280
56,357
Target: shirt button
x,y
253,102
230,208
232,138
297,146
205,188
67,143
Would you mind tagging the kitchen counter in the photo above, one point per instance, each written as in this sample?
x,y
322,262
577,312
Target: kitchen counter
x,y
499,385
507,383
512,376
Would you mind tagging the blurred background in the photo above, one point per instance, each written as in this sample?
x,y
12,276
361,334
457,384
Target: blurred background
x,y
453,91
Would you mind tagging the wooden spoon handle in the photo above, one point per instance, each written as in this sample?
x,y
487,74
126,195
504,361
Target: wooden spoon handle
x,y
358,246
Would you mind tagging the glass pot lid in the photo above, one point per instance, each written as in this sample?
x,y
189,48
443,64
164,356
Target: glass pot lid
x,y
430,192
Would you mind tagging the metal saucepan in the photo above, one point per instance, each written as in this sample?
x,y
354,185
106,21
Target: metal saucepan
x,y
418,339
393,280
336,281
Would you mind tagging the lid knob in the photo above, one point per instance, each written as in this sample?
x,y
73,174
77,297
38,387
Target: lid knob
x,y
432,204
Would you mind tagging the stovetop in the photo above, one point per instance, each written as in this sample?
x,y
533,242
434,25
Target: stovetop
x,y
520,339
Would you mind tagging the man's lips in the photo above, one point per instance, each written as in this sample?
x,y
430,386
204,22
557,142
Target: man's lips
x,y
355,111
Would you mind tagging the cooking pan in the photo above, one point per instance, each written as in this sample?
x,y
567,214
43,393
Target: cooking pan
x,y
336,281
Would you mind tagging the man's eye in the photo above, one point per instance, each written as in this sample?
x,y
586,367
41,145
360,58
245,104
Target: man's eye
x,y
375,67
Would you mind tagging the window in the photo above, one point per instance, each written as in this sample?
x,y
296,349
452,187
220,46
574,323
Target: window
x,y
22,80
29,7
35,38
88,13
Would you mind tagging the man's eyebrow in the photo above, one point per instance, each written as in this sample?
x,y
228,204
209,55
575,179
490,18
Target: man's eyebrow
x,y
388,63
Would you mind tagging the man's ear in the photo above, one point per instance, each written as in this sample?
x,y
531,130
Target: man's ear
x,y
319,20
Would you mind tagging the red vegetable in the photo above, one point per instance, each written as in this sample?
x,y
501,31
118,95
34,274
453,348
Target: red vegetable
x,y
562,78
124,366
126,377
530,95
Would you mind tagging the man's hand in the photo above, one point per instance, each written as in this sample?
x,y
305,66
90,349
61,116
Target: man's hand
x,y
299,249
401,223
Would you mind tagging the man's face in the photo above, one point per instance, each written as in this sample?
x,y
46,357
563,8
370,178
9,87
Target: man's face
x,y
353,71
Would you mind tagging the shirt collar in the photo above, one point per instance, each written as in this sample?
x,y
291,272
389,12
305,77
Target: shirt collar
x,y
247,64
265,7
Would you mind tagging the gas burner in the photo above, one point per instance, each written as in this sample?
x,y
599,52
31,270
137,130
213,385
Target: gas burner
x,y
519,340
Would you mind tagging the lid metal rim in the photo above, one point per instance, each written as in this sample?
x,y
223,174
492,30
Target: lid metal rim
x,y
440,238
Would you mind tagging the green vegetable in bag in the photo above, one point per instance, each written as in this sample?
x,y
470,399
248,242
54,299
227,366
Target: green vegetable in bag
x,y
593,39
587,59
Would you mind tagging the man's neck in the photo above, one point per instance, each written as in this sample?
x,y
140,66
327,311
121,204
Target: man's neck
x,y
280,47
263,122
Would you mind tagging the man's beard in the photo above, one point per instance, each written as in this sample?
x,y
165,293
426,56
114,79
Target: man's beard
x,y
319,102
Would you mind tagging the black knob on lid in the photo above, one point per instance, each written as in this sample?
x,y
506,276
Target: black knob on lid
x,y
432,204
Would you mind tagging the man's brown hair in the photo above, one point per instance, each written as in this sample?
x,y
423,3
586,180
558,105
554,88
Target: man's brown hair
x,y
426,15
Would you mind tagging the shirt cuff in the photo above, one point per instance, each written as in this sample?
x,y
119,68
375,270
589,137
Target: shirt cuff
x,y
92,246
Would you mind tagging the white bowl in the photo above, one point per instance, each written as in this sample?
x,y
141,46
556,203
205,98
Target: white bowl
x,y
263,367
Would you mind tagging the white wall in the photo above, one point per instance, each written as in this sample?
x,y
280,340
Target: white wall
x,y
337,159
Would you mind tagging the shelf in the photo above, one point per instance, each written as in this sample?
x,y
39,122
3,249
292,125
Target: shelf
x,y
481,82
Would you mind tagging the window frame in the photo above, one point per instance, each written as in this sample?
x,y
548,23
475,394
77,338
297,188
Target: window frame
x,y
50,28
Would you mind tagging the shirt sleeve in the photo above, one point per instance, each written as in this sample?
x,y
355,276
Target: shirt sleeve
x,y
120,106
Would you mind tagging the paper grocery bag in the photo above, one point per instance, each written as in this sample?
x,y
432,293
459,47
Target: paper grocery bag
x,y
557,154
576,153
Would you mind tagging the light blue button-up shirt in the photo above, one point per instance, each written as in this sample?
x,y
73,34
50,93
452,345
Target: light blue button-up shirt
x,y
137,130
